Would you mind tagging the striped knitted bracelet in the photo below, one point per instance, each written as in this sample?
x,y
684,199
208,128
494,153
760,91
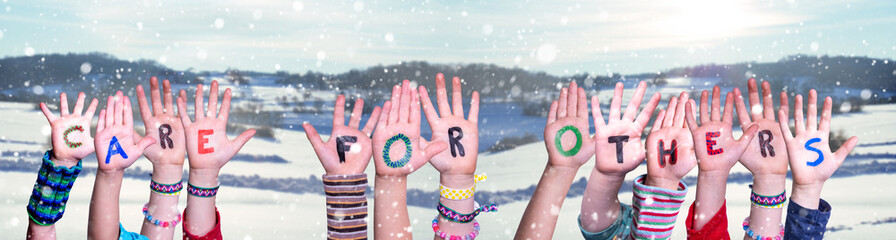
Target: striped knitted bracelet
x,y
776,201
346,206
51,190
655,209
451,215
201,191
166,189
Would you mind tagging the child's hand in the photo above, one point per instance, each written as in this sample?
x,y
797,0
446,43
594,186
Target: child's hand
x,y
625,132
811,159
717,150
765,155
669,162
71,131
162,124
117,144
398,130
461,134
207,145
348,150
566,134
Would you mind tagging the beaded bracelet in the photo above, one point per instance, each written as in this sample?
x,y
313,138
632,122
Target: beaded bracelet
x,y
51,190
166,189
776,201
461,194
202,192
756,236
156,221
454,216
444,235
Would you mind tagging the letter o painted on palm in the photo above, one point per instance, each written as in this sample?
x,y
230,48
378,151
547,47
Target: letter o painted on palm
x,y
575,149
407,152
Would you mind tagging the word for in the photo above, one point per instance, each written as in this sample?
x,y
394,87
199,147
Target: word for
x,y
765,137
163,136
341,148
70,130
710,143
672,152
454,136
575,149
618,140
203,140
810,148
407,152
115,148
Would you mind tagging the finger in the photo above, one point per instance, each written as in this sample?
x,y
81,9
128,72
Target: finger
x,y
552,113
799,123
415,109
768,105
596,114
658,122
727,117
405,105
670,112
755,108
582,104
561,107
154,95
182,109
632,109
244,137
169,102
812,116
339,111
372,121
716,110
785,102
844,149
433,148
396,99
457,97
742,114
647,112
689,117
384,118
474,108
784,123
119,108
357,111
616,103
127,113
79,104
145,112
442,95
693,110
431,115
91,109
825,124
704,107
225,106
110,110
47,113
144,142
747,137
313,137
572,98
101,123
212,111
198,105
63,105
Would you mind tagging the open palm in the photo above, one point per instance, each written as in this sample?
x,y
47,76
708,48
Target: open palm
x,y
118,146
677,158
714,143
398,129
207,143
77,144
163,125
566,134
626,131
765,154
354,159
461,160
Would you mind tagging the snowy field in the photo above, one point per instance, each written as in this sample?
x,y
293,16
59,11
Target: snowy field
x,y
509,170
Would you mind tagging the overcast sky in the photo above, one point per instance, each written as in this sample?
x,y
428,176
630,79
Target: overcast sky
x,y
560,37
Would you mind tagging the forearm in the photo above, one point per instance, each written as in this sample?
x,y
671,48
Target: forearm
x,y
161,206
390,208
806,195
540,218
103,216
711,189
463,206
200,211
762,220
47,207
600,202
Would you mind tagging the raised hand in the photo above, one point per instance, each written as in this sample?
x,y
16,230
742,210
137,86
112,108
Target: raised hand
x,y
618,147
398,148
764,155
811,159
117,144
714,143
566,133
162,124
461,134
207,143
670,147
348,149
71,131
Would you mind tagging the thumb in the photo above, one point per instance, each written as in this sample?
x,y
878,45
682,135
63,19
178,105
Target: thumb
x,y
430,149
243,138
313,136
844,150
145,142
745,139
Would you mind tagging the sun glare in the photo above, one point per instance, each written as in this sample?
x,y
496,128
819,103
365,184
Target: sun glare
x,y
698,20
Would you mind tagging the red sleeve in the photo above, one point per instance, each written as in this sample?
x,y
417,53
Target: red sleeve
x,y
214,234
716,228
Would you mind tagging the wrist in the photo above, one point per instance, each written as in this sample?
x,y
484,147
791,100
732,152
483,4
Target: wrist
x,y
713,176
806,195
167,174
608,178
457,181
665,183
207,178
560,170
769,184
64,161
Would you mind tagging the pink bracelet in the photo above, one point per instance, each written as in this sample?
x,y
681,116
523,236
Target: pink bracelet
x,y
443,235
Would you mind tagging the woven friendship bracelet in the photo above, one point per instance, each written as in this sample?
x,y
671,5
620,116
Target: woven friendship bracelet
x,y
202,192
156,222
51,190
756,236
454,216
346,206
444,235
461,194
776,201
166,189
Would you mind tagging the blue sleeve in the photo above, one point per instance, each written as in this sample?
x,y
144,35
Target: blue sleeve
x,y
125,235
620,229
803,223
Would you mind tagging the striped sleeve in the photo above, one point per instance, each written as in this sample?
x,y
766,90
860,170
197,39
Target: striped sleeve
x,y
346,206
655,209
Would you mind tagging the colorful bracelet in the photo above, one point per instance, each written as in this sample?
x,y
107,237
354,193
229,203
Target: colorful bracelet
x,y
756,236
776,201
461,194
346,206
202,192
444,235
51,190
166,189
451,215
156,221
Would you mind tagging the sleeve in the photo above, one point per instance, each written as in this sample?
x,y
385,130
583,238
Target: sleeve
x,y
716,228
803,223
655,209
125,235
346,206
214,234
620,229
51,190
